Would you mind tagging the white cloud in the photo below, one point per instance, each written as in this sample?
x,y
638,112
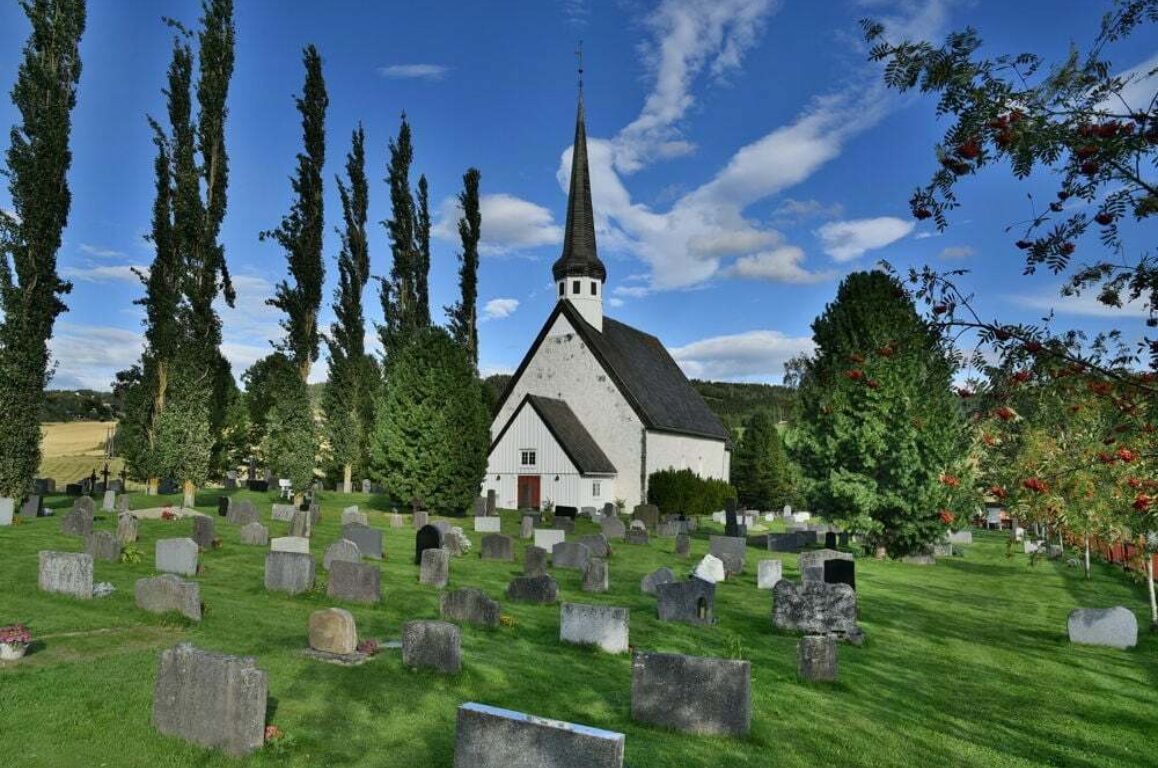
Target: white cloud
x,y
576,12
1140,85
780,264
509,224
250,325
488,369
88,357
792,211
499,308
414,71
1084,305
8,213
754,355
955,252
615,301
122,273
632,291
924,235
101,253
848,240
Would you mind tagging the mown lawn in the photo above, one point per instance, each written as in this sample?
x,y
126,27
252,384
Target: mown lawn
x,y
966,663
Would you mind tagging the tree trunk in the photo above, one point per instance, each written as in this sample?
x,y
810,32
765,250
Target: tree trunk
x,y
1087,557
348,479
190,499
298,496
1150,584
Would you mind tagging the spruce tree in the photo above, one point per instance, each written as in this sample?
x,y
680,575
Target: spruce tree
x,y
879,426
463,316
760,470
348,401
37,161
300,231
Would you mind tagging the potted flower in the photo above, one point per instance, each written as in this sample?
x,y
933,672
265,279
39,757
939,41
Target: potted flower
x,y
14,640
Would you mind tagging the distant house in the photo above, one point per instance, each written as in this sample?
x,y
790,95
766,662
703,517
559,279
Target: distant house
x,y
596,406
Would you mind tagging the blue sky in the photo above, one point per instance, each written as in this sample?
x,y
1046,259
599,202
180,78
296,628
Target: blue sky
x,y
744,158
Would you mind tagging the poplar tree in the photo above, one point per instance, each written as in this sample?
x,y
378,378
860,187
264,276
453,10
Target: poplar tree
x,y
37,161
348,402
463,316
300,231
422,256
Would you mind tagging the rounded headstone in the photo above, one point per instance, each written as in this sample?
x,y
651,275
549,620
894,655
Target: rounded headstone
x,y
342,549
333,631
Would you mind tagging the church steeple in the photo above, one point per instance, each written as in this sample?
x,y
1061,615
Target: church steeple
x,y
578,273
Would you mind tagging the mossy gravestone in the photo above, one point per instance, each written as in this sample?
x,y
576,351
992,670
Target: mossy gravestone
x,y
470,606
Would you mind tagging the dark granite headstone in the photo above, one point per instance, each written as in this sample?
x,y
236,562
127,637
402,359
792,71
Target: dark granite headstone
x,y
204,531
223,503
691,694
814,609
564,511
683,545
31,507
355,582
534,561
533,589
829,540
259,486
840,572
786,542
636,536
369,540
496,546
73,489
471,606
490,737
648,514
433,644
692,601
731,526
428,537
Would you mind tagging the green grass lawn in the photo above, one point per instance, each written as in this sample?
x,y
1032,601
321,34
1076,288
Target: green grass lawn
x,y
966,664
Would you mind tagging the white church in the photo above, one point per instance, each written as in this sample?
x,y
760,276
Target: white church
x,y
596,406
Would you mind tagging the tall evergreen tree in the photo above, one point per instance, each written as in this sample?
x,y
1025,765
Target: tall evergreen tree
x,y
348,400
300,231
463,316
879,427
422,256
760,468
38,160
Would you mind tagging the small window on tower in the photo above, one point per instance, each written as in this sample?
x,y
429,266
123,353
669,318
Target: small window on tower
x,y
575,287
595,489
527,457
594,288
562,288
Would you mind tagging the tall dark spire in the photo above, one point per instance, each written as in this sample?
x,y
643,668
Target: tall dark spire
x,y
580,257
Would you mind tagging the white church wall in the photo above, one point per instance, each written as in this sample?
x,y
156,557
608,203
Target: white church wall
x,y
565,369
707,458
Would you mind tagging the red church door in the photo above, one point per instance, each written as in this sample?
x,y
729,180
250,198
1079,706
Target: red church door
x,y
528,491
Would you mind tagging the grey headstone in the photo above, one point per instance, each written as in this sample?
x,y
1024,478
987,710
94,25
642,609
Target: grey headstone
x,y
812,564
66,573
443,527
533,589
683,545
479,506
488,524
589,512
670,529
242,512
433,644
342,549
456,542
435,567
211,699
534,561
366,486
768,573
470,606
204,531
31,507
126,528
421,519
492,503
302,524
255,534
367,539
78,522
961,537
597,544
565,524
596,576
283,512
604,626
103,545
333,631
1115,627
651,581
490,737
816,658
547,538
496,546
355,582
692,601
648,514
691,693
786,542
731,550
570,554
177,556
169,593
814,609
397,520
613,528
7,509
290,544
919,559
527,527
353,515
636,536
109,503
290,572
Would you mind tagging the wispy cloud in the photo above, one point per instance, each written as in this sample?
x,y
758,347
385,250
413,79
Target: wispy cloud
x,y
88,356
954,252
753,355
1084,305
848,240
575,12
780,265
100,252
795,211
414,71
509,224
499,308
122,273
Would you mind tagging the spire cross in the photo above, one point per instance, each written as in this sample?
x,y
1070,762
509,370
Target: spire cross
x,y
579,57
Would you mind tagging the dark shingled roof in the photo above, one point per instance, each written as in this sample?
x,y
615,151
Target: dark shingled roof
x,y
645,373
568,432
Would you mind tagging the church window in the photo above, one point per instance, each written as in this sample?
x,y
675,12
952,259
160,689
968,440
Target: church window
x,y
562,288
527,457
576,287
595,489
594,288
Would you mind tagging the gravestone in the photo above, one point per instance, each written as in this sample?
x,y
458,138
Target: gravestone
x,y
367,539
366,485
710,569
547,538
31,507
421,519
434,570
490,737
637,536
109,504
397,520
812,564
492,503
669,529
103,545
243,512
78,522
177,556
769,573
596,576
290,544
570,554
605,626
566,511
7,508
122,503
961,537
433,644
613,528
649,583
73,489
354,582
487,524
479,506
456,542
683,546
471,606
792,541
223,504
731,526
596,544
333,631
427,537
830,540
731,551
66,573
534,561
816,657
542,590
301,525
284,512
1115,627
290,572
169,593
353,515
255,534
840,572
692,694
565,524
648,514
342,549
692,601
926,558
814,609
211,699
204,531
527,527
496,546
443,527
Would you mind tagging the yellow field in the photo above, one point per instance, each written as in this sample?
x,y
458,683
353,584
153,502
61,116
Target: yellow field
x,y
73,449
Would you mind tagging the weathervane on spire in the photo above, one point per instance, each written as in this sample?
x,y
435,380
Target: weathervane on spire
x,y
579,57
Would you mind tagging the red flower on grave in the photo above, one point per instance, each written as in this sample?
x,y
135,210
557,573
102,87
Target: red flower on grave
x,y
1134,482
273,733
